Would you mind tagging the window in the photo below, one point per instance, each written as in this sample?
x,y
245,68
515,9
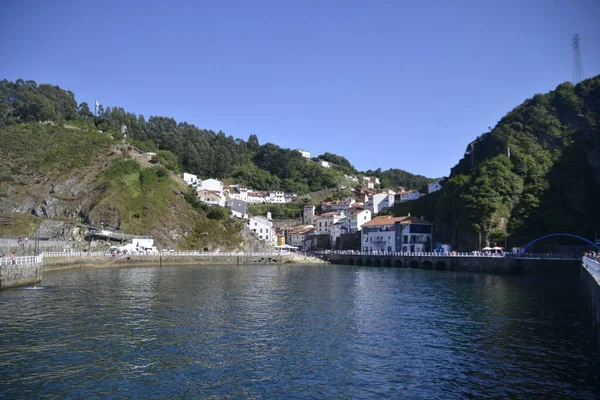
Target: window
x,y
260,230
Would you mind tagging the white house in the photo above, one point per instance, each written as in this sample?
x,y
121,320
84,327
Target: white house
x,y
142,243
190,179
435,185
379,235
324,221
212,185
380,202
324,164
238,192
257,197
407,195
338,229
397,234
308,216
356,218
305,154
366,181
211,197
300,235
263,228
414,235
277,197
339,205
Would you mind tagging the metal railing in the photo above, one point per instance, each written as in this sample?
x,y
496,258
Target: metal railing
x,y
593,267
164,253
408,254
28,260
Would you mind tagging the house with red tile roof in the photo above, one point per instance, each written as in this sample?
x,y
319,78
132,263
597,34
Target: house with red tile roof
x,y
397,234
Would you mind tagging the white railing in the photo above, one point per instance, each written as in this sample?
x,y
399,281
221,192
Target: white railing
x,y
593,267
415,254
165,253
28,260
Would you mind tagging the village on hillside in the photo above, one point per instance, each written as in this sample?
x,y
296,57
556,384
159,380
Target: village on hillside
x,y
347,224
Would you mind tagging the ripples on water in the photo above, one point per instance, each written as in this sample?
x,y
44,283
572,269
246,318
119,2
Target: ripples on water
x,y
296,332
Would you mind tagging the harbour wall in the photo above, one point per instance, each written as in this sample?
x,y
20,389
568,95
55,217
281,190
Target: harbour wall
x,y
67,262
494,265
590,283
25,271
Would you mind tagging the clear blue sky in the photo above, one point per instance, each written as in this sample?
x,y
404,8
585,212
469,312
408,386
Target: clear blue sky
x,y
390,84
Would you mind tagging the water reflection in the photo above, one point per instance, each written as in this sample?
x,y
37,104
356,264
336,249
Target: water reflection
x,y
296,331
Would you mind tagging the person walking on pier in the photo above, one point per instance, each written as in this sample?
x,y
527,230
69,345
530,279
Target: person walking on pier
x,y
12,258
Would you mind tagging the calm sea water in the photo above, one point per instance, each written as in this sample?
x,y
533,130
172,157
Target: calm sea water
x,y
299,331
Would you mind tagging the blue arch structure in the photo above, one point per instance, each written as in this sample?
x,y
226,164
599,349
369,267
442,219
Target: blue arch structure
x,y
528,245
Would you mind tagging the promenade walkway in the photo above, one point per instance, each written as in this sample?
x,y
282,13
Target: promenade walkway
x,y
593,267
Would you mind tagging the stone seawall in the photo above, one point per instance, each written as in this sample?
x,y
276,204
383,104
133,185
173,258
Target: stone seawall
x,y
494,265
591,290
56,263
20,275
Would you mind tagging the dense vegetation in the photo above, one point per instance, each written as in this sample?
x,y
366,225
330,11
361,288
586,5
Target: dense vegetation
x,y
394,178
185,147
82,177
536,172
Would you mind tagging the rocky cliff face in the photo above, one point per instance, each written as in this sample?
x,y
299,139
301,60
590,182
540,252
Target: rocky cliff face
x,y
66,201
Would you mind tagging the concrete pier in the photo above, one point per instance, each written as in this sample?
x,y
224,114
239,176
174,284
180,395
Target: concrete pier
x,y
590,283
461,263
108,260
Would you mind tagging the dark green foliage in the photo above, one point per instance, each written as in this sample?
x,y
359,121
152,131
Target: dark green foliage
x,y
190,197
151,176
33,147
120,168
181,146
394,178
218,213
339,163
169,160
278,211
27,102
550,184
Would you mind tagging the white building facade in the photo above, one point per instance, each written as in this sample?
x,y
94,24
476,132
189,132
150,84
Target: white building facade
x,y
190,179
435,185
212,185
263,228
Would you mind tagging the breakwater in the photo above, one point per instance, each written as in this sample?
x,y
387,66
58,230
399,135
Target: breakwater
x,y
590,282
459,262
102,259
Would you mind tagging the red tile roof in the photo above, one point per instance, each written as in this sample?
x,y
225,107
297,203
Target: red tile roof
x,y
389,220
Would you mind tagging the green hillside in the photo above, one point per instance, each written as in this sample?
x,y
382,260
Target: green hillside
x,y
78,177
185,147
536,172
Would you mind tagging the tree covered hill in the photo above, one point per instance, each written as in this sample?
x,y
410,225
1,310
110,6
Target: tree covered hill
x,y
70,177
185,147
536,172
